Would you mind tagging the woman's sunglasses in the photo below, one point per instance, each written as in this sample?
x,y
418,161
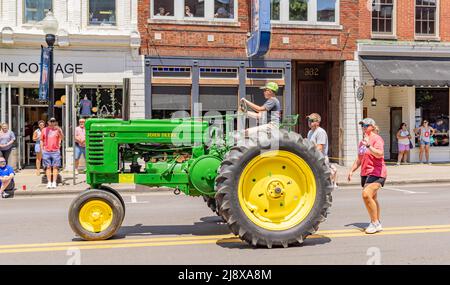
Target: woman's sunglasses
x,y
2,162
365,126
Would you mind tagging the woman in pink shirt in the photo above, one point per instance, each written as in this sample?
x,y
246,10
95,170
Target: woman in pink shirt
x,y
373,171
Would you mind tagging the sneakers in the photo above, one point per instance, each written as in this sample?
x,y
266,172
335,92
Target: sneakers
x,y
374,228
76,171
51,185
398,164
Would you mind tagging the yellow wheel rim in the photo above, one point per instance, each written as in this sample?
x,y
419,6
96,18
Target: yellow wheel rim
x,y
96,216
277,190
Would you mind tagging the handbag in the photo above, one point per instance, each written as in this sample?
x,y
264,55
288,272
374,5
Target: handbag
x,y
411,145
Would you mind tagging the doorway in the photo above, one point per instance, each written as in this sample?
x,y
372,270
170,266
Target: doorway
x,y
313,99
396,121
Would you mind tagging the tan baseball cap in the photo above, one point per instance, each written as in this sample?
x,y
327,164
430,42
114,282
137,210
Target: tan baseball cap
x,y
314,116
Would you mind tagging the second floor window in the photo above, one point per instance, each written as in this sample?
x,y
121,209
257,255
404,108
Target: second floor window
x,y
311,12
35,10
298,10
382,16
194,9
426,17
102,13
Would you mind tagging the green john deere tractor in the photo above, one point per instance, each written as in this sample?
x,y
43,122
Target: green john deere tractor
x,y
268,196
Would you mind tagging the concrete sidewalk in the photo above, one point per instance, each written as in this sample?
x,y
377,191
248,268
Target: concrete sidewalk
x,y
28,183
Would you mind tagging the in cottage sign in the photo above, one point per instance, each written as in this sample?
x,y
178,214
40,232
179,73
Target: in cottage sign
x,y
24,67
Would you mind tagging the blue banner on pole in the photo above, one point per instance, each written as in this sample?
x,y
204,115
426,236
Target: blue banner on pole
x,y
259,42
44,78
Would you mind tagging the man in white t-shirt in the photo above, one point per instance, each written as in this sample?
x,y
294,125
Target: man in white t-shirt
x,y
319,137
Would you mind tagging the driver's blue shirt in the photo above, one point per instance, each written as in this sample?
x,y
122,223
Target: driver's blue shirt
x,y
6,171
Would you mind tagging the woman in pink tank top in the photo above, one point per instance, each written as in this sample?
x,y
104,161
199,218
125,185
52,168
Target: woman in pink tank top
x,y
373,171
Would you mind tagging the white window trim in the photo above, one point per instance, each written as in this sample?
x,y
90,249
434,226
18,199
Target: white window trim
x,y
394,25
22,15
90,26
209,13
436,35
312,15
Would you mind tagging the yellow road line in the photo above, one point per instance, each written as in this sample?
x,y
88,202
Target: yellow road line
x,y
118,241
191,240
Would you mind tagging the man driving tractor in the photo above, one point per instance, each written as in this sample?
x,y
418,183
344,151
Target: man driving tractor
x,y
269,113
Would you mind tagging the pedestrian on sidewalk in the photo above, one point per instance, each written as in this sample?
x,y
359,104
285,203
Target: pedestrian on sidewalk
x,y
51,139
403,142
319,137
37,146
6,179
80,143
373,171
7,139
425,133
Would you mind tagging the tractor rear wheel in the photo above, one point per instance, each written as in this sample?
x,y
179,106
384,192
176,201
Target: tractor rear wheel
x,y
96,214
274,197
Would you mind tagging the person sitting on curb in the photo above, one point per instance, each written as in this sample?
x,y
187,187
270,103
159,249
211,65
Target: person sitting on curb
x,y
6,178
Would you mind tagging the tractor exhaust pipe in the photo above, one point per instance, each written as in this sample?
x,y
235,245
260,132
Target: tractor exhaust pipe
x,y
126,99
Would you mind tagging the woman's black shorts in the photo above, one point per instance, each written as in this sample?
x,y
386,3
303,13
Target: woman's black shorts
x,y
372,179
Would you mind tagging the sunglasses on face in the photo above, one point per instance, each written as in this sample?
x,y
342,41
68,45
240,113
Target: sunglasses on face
x,y
2,162
365,126
312,120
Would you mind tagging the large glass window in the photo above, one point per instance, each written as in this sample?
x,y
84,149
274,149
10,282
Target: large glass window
x,y
194,8
35,10
433,105
298,10
224,9
326,10
167,100
382,16
425,17
102,12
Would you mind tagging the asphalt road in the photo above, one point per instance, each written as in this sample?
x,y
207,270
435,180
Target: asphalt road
x,y
161,228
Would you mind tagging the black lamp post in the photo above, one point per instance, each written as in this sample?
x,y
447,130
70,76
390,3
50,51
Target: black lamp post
x,y
50,27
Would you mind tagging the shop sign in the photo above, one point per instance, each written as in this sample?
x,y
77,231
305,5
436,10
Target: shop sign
x,y
24,67
259,42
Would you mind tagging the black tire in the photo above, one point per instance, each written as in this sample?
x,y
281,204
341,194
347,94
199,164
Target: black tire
x,y
116,193
228,200
96,194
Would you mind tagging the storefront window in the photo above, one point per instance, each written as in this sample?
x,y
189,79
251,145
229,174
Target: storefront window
x,y
433,105
99,102
326,10
298,10
35,10
163,8
102,12
169,101
194,8
224,9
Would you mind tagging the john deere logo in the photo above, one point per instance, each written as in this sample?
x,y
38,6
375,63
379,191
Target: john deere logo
x,y
113,135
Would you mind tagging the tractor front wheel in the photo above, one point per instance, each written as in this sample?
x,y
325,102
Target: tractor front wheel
x,y
274,197
96,214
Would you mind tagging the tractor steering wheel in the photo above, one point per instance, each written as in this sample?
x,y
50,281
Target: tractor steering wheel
x,y
243,106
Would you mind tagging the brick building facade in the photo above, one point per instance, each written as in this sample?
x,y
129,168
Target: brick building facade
x,y
404,56
312,56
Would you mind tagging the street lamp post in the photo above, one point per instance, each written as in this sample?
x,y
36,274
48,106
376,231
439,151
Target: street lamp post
x,y
50,27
